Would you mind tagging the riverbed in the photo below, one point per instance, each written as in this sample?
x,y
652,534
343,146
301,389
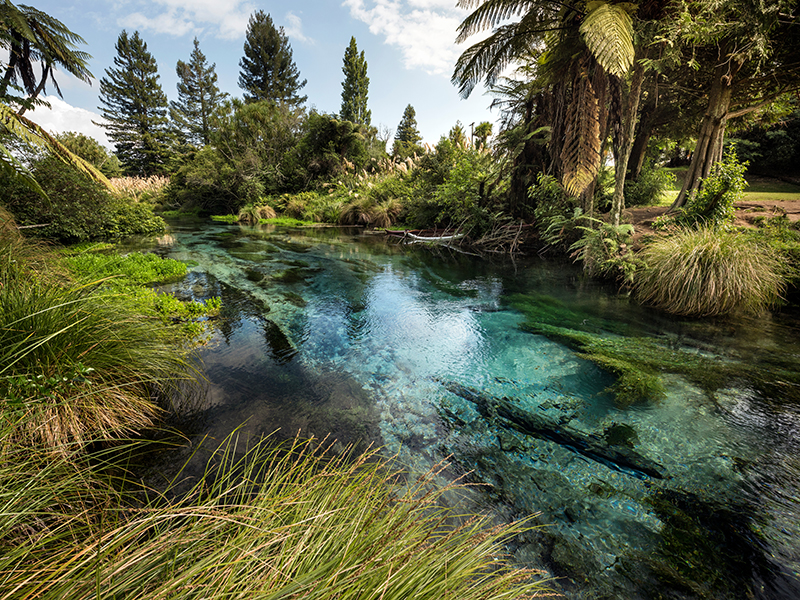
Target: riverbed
x,y
429,354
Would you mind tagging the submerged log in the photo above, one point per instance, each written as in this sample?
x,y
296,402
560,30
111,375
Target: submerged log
x,y
508,416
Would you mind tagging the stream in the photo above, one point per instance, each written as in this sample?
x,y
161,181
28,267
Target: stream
x,y
426,353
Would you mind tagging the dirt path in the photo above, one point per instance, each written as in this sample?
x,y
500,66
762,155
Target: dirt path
x,y
747,215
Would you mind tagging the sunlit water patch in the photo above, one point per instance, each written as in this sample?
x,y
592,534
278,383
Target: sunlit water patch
x,y
332,333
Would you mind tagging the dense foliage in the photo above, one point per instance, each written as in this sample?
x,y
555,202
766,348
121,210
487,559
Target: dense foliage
x,y
76,209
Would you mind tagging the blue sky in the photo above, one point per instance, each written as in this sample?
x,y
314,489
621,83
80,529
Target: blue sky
x,y
409,46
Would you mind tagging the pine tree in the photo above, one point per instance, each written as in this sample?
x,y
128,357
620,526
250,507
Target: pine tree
x,y
198,98
135,108
355,86
407,137
268,71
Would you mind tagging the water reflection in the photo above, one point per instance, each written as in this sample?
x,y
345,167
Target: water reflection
x,y
327,332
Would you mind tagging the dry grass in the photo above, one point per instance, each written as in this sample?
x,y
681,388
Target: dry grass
x,y
708,271
140,188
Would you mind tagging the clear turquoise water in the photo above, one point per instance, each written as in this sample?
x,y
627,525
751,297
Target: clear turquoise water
x,y
331,332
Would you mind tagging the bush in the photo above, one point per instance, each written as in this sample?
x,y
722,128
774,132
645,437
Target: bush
x,y
77,209
713,203
650,187
557,215
605,250
707,271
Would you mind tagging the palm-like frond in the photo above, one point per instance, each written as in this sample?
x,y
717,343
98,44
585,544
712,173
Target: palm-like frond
x,y
31,134
30,36
608,33
508,42
490,13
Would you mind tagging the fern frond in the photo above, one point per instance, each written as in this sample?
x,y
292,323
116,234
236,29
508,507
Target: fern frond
x,y
580,154
491,13
607,30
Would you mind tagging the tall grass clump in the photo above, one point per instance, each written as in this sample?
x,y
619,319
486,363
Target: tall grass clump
x,y
278,523
709,271
77,363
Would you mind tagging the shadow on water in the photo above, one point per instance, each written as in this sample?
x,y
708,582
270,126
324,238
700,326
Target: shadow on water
x,y
510,368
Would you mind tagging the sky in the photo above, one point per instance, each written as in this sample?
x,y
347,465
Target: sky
x,y
409,46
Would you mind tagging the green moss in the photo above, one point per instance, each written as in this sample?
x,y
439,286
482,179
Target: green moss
x,y
287,222
289,276
225,218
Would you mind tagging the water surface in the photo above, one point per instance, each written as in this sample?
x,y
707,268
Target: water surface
x,y
332,332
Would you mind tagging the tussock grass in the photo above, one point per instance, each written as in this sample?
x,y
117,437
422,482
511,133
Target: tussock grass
x,y
708,271
77,363
253,214
273,523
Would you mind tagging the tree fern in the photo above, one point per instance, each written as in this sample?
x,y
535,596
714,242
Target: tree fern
x,y
607,30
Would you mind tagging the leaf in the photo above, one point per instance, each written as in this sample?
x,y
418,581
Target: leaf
x,y
580,154
607,30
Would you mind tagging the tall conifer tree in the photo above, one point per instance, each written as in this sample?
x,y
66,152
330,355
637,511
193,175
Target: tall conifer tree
x,y
268,71
198,97
407,137
355,86
135,108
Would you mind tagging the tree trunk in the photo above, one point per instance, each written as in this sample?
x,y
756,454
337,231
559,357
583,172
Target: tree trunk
x,y
624,143
708,149
641,141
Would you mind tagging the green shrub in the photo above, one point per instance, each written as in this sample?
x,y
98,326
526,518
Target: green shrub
x,y
650,187
556,214
77,209
605,250
708,271
712,204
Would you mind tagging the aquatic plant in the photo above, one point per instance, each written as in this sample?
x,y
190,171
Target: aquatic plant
x,y
261,522
707,271
636,362
137,268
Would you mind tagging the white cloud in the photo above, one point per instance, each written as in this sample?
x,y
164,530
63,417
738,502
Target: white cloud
x,y
226,19
424,30
63,117
294,28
